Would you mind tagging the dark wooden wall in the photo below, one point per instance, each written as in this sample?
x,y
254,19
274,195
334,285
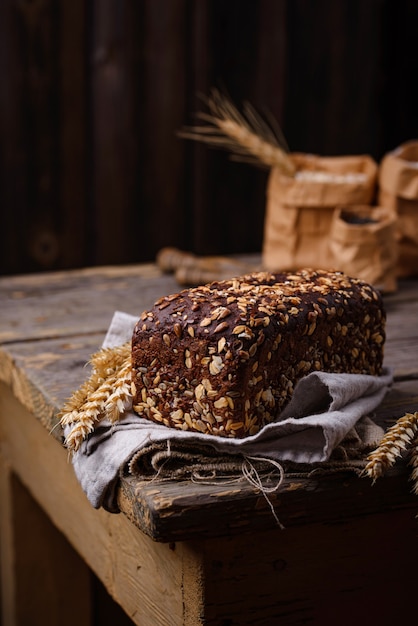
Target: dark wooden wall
x,y
92,94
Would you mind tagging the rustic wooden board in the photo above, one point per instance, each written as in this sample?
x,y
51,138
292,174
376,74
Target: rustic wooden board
x,y
127,561
51,324
62,304
356,571
178,511
173,510
44,373
32,549
402,330
257,580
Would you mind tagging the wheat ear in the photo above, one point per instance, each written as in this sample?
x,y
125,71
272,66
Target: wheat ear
x,y
414,464
70,411
110,358
246,135
107,393
397,438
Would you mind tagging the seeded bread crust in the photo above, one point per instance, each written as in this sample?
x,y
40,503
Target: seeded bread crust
x,y
224,358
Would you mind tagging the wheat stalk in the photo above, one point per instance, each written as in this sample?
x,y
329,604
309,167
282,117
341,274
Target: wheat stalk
x,y
398,438
70,411
413,462
121,397
106,394
110,358
246,135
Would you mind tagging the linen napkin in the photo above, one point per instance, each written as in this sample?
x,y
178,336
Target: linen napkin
x,y
324,410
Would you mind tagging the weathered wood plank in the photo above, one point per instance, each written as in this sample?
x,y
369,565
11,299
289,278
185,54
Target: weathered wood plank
x,y
327,575
274,575
41,375
79,302
14,154
127,562
43,372
71,208
178,511
271,576
402,318
35,555
172,510
39,234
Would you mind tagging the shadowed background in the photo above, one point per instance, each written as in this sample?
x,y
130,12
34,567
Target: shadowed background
x,y
93,94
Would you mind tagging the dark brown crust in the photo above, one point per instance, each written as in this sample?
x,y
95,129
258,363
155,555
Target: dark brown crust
x,y
224,358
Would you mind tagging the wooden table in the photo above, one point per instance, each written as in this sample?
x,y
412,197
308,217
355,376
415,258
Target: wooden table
x,y
181,553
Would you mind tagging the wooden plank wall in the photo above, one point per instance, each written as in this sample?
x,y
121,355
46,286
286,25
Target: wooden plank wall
x,y
91,169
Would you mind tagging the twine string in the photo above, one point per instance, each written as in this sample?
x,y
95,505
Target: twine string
x,y
215,472
253,477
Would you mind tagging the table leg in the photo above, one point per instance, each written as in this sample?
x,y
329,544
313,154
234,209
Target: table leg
x,y
34,556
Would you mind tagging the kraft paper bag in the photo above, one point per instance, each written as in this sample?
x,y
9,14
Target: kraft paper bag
x,y
299,209
398,190
363,244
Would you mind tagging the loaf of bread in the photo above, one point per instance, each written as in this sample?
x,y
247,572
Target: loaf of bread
x,y
224,358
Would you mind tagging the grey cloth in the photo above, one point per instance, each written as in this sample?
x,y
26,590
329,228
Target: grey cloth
x,y
325,409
